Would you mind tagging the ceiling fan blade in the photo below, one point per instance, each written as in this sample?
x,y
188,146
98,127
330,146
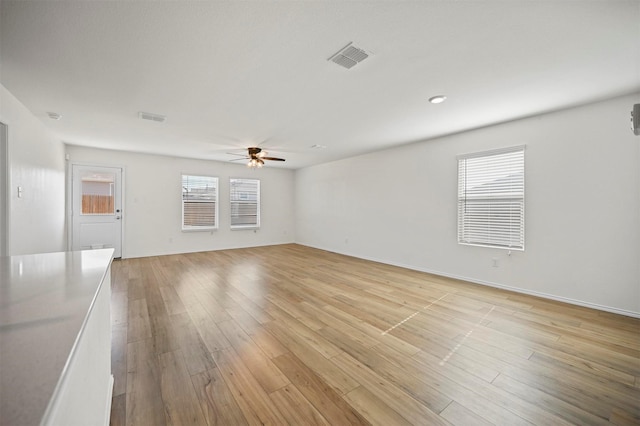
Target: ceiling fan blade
x,y
241,159
239,155
273,158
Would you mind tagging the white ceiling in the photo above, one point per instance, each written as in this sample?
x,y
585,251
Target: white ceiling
x,y
231,74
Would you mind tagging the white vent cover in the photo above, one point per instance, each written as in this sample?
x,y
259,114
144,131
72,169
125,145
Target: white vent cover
x,y
153,117
349,56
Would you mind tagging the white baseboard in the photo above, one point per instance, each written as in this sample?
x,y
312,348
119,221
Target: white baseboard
x,y
231,247
492,284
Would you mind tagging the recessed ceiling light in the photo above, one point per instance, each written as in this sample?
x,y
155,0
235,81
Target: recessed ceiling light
x,y
437,99
54,115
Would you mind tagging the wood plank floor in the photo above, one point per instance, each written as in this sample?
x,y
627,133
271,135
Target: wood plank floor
x,y
292,335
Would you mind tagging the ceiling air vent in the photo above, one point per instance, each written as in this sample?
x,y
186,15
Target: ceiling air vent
x,y
153,117
349,56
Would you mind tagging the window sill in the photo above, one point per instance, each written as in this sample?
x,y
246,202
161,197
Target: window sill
x,y
199,230
491,246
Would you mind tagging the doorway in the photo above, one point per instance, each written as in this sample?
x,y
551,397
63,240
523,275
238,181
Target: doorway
x,y
96,208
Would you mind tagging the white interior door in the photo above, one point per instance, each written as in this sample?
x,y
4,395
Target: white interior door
x,y
97,208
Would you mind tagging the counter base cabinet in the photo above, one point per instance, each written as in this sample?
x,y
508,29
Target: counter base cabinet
x,y
55,339
83,396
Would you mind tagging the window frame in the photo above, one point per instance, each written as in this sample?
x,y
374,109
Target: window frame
x,y
503,171
232,202
216,201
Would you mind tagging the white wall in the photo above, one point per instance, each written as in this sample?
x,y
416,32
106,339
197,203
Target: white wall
x,y
152,208
36,163
582,207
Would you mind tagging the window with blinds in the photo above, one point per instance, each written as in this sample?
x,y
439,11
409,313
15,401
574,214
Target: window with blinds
x,y
199,203
491,198
245,203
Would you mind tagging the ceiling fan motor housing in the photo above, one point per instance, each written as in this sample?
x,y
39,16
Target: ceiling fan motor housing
x,y
257,156
254,151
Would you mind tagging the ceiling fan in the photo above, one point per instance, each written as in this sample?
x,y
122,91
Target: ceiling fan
x,y
256,157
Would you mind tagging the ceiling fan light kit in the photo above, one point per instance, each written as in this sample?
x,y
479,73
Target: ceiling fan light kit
x,y
255,163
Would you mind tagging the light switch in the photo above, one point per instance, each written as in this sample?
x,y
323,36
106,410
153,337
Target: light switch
x,y
19,192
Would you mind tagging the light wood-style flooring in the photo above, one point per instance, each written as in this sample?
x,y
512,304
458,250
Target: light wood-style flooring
x,y
293,335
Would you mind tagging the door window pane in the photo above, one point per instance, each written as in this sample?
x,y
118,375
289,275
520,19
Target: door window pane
x,y
98,193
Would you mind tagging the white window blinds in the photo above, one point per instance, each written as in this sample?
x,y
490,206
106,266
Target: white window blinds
x,y
245,203
199,202
491,198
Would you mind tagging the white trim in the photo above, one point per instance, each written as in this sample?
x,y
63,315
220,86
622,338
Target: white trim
x,y
492,247
492,284
205,250
492,152
5,191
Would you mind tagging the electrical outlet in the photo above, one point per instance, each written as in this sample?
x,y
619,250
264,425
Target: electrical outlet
x,y
496,262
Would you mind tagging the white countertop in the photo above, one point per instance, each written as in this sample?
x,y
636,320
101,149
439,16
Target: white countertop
x,y
44,301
